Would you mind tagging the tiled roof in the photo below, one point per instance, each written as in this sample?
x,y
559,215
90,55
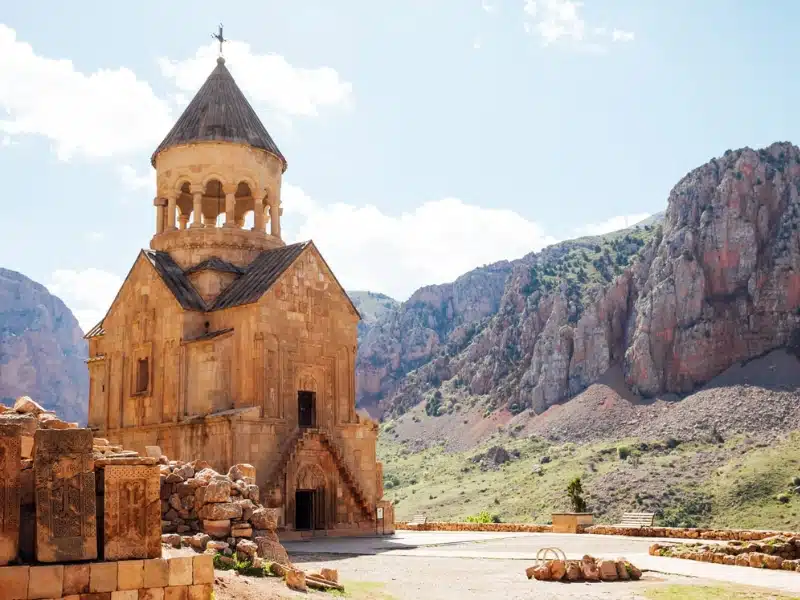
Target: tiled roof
x,y
220,112
215,264
95,331
259,276
175,280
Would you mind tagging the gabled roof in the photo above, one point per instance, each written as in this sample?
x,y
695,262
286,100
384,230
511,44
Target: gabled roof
x,y
175,280
95,331
215,263
220,112
259,276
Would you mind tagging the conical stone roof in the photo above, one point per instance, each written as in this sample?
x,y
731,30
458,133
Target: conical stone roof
x,y
220,112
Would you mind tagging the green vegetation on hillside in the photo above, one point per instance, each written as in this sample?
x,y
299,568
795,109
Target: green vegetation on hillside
x,y
585,265
739,483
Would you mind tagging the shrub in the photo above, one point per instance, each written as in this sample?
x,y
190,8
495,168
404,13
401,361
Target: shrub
x,y
795,482
782,498
575,491
483,517
623,452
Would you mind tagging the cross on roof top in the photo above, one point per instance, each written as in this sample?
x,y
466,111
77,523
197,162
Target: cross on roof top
x,y
219,37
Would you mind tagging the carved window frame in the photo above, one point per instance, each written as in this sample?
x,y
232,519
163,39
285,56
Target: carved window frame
x,y
141,352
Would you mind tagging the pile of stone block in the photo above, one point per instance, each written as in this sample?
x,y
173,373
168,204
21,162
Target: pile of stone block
x,y
776,552
586,569
66,498
204,509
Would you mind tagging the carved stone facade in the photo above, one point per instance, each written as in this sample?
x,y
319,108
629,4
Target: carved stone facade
x,y
65,496
132,527
10,491
228,345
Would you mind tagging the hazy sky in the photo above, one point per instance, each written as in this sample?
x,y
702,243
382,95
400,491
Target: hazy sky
x,y
424,137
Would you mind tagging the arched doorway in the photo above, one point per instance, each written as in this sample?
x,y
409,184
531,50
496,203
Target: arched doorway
x,y
309,499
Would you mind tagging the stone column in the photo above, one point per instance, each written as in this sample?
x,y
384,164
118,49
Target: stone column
x,y
172,208
197,217
275,213
258,219
10,491
230,205
159,204
183,220
66,523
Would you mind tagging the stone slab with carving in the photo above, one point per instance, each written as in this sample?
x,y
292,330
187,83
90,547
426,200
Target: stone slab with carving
x,y
10,467
132,523
65,495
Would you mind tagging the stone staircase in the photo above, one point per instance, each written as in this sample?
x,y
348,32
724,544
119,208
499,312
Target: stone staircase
x,y
292,446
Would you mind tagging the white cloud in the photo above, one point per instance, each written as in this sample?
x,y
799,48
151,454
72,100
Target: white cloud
x,y
95,236
562,21
612,224
88,293
618,35
267,78
489,6
434,243
476,44
135,182
100,114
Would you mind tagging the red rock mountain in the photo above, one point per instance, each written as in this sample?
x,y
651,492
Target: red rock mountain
x,y
673,302
42,350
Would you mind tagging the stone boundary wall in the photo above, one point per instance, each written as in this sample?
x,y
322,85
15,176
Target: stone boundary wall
x,y
177,578
744,535
507,527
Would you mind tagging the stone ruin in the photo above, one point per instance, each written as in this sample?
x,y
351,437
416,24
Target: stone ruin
x,y
79,515
76,521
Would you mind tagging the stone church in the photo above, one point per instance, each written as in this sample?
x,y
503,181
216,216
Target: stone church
x,y
226,344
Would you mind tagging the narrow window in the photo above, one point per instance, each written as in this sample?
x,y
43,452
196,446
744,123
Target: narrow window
x,y
142,375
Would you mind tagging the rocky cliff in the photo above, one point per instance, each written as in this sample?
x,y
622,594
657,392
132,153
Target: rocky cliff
x,y
42,350
672,302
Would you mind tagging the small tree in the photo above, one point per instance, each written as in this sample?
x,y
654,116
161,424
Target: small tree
x,y
575,491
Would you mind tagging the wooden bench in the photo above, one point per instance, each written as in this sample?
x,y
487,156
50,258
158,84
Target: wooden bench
x,y
418,520
637,520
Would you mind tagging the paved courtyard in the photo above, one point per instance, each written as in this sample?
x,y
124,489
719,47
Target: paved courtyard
x,y
465,565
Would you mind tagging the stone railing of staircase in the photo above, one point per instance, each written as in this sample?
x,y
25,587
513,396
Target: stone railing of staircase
x,y
295,443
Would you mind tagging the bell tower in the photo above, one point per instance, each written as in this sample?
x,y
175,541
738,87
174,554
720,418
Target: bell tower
x,y
216,170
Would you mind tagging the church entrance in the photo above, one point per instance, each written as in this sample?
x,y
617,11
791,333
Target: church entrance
x,y
309,509
303,509
306,409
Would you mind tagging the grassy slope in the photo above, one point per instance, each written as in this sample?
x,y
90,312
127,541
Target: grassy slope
x,y
704,484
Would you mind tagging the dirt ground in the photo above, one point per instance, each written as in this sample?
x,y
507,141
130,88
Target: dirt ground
x,y
380,577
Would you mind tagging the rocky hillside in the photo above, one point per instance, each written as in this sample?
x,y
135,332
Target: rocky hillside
x,y
42,350
373,307
671,304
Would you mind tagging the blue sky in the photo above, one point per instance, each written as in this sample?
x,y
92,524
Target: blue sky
x,y
424,137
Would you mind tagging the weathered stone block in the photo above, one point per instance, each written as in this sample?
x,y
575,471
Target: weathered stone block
x,y
180,571
217,529
220,511
296,580
65,496
76,579
151,594
14,583
46,582
26,446
10,491
96,596
203,569
156,573
103,577
200,592
130,574
176,592
125,595
132,512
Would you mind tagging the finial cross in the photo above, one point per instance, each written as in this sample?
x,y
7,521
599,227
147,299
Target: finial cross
x,y
219,37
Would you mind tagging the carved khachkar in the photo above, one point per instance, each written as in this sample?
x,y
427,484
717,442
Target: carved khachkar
x,y
65,495
10,466
132,512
